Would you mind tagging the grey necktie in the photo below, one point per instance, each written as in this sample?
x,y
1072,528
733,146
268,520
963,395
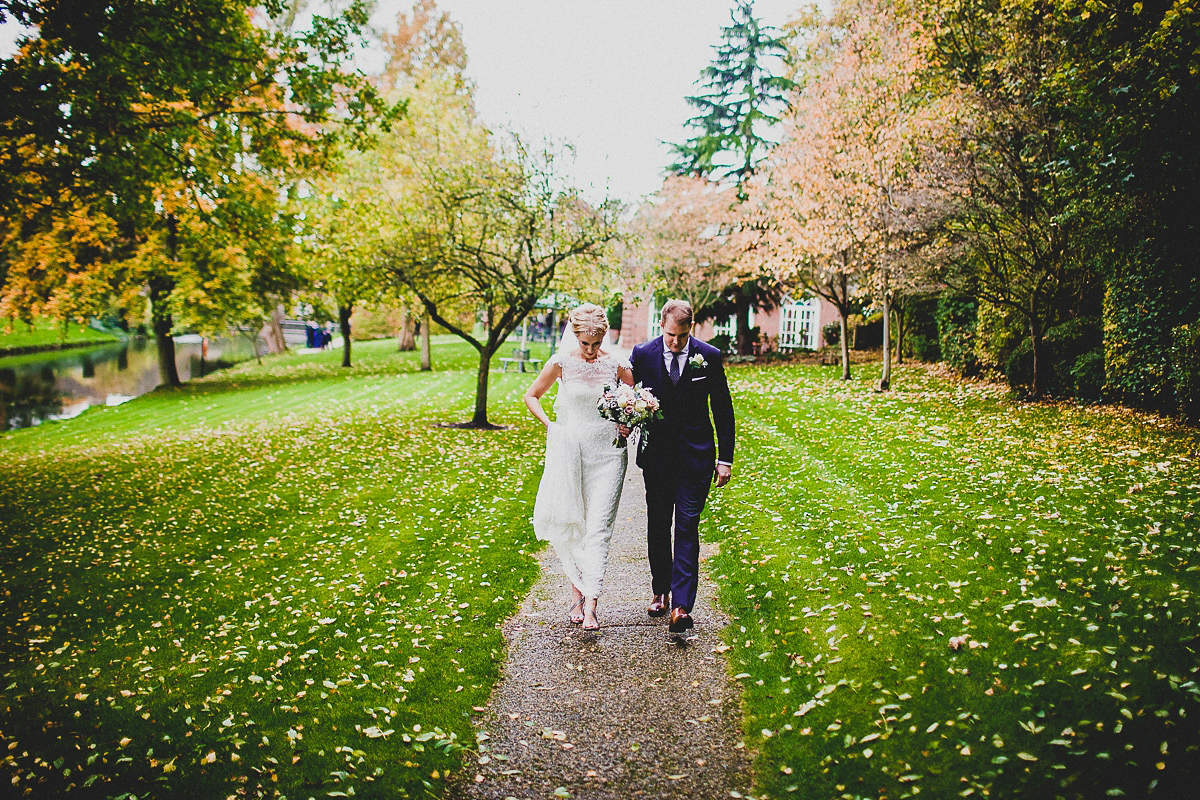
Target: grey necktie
x,y
675,367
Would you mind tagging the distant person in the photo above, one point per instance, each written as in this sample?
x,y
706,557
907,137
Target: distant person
x,y
581,484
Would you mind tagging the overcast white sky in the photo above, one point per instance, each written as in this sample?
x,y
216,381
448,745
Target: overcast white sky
x,y
607,76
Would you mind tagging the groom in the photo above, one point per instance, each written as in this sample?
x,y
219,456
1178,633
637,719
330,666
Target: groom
x,y
678,460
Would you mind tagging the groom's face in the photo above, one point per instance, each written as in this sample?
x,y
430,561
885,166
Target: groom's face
x,y
675,335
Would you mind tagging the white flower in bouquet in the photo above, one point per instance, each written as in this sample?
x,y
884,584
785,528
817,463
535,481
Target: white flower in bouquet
x,y
631,406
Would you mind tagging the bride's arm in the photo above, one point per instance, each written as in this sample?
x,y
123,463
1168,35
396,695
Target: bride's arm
x,y
541,384
625,376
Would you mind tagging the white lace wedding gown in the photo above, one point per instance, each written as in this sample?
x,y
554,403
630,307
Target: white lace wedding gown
x,y
581,485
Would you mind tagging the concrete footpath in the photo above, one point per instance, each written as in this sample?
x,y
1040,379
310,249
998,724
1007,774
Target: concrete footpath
x,y
621,713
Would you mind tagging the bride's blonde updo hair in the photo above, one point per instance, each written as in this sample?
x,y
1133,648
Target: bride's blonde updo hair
x,y
589,319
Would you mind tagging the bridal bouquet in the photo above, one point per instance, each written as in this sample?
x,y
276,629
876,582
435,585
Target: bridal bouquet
x,y
632,406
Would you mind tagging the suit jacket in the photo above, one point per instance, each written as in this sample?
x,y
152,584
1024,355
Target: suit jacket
x,y
683,438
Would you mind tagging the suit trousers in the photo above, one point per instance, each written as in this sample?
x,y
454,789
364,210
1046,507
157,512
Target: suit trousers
x,y
675,561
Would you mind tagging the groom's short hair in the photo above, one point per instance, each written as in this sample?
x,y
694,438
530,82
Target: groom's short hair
x,y
678,310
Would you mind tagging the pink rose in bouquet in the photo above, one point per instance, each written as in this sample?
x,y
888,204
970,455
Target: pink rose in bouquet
x,y
631,406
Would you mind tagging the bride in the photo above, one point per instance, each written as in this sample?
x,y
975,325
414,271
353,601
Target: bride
x,y
581,484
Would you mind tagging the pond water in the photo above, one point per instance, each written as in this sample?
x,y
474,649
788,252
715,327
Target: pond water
x,y
65,383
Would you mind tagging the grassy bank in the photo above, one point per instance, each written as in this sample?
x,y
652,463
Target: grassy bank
x,y
939,593
48,334
280,580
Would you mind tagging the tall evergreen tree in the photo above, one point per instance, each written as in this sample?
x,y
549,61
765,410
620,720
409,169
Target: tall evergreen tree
x,y
742,98
743,93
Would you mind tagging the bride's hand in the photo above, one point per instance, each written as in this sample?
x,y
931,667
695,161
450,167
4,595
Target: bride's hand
x,y
624,431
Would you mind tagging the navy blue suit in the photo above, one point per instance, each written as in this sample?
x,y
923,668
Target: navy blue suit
x,y
678,458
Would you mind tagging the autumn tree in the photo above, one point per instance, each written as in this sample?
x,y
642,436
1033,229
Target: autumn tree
x,y
811,224
1022,236
183,123
342,209
477,227
679,241
341,238
425,41
844,187
493,240
60,270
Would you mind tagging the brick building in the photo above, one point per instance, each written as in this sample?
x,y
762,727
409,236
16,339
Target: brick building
x,y
795,324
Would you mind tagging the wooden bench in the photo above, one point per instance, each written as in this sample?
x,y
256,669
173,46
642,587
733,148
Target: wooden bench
x,y
519,359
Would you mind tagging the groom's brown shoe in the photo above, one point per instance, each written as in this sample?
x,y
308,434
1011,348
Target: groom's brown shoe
x,y
658,606
680,621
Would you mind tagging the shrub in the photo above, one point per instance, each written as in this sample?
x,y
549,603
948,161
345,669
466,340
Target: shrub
x,y
956,317
615,314
832,333
1185,370
721,341
999,333
924,347
1063,348
920,329
377,322
1147,296
1087,374
868,333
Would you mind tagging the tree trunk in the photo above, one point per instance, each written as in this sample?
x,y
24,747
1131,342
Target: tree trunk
x,y
272,332
426,361
741,315
344,312
406,339
1035,346
167,372
161,319
480,420
885,382
845,342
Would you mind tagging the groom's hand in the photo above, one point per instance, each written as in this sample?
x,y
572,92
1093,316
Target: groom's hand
x,y
723,473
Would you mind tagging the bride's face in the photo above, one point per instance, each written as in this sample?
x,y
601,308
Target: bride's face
x,y
589,345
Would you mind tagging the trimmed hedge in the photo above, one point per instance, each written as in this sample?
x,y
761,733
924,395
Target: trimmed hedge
x,y
1185,369
1147,297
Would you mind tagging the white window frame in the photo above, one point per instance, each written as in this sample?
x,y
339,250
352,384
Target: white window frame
x,y
798,323
726,327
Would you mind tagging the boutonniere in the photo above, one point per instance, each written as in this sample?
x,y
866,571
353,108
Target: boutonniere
x,y
697,361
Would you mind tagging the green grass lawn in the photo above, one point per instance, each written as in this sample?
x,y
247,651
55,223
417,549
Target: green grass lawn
x,y
936,592
49,333
282,579
287,579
